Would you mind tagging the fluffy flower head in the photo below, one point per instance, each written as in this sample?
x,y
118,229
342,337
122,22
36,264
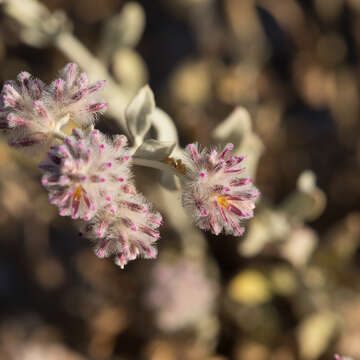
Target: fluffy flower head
x,y
216,193
86,173
73,95
32,113
23,113
127,234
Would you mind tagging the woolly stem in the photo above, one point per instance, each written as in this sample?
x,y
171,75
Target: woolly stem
x,y
60,135
63,121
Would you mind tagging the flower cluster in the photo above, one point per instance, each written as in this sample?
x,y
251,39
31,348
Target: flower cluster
x,y
88,175
128,233
73,95
34,113
215,192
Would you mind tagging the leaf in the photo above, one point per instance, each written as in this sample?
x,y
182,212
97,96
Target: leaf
x,y
165,129
170,182
234,128
155,150
137,113
237,129
122,31
315,333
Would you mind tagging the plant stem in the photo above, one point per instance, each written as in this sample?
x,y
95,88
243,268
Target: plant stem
x,y
59,135
63,121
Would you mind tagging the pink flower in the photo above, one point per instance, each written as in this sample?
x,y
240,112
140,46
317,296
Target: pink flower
x,y
32,113
216,192
127,233
23,114
73,95
86,173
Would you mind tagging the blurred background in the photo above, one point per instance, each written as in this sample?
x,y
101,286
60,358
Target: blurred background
x,y
289,288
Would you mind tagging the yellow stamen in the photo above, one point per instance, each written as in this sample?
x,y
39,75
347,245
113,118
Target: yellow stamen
x,y
223,201
78,193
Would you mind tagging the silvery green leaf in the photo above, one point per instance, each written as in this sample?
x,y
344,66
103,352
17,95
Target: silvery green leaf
x,y
170,182
234,128
137,113
321,326
129,69
155,150
123,30
38,25
307,202
165,129
237,129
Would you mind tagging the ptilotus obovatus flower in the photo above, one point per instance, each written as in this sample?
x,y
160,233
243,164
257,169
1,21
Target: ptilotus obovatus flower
x,y
32,113
72,95
86,173
215,190
128,233
23,112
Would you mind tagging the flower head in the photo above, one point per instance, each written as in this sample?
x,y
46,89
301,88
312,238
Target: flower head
x,y
73,95
32,113
23,113
180,293
216,192
86,173
127,233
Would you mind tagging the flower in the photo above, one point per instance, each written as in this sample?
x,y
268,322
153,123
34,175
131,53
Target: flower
x,y
338,357
215,192
33,113
86,173
181,293
23,113
128,232
72,95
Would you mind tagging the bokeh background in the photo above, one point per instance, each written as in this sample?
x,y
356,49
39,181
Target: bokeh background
x,y
289,289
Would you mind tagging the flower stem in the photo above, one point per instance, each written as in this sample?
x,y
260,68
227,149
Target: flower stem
x,y
59,135
63,121
159,165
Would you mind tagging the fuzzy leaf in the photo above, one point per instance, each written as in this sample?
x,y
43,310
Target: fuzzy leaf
x,y
170,182
165,129
155,150
137,113
123,30
234,128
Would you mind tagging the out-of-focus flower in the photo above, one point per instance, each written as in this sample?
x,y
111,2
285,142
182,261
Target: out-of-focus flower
x,y
338,357
127,234
51,351
32,113
180,293
86,173
72,95
215,192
